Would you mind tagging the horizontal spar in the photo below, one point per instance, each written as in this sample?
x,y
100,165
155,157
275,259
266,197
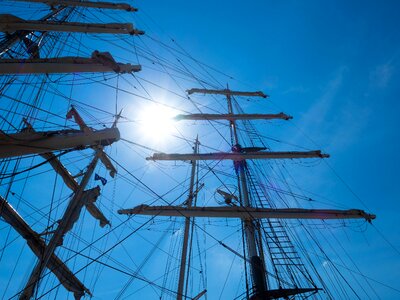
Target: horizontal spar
x,y
238,156
247,212
227,92
25,143
10,23
233,117
106,5
102,62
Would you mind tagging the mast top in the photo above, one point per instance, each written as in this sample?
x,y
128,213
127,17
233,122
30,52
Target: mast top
x,y
227,92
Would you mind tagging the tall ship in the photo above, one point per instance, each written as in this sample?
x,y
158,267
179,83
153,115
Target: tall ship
x,y
132,170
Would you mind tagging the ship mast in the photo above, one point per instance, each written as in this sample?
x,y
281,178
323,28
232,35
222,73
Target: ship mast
x,y
81,197
257,266
245,212
189,203
28,141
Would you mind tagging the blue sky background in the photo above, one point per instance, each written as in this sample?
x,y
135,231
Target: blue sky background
x,y
333,66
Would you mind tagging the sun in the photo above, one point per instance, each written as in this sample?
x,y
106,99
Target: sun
x,y
157,122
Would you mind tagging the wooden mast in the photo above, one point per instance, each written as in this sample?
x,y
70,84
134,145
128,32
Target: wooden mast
x,y
257,266
189,202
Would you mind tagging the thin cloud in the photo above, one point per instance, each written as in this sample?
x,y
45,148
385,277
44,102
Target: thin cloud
x,y
295,89
381,75
318,113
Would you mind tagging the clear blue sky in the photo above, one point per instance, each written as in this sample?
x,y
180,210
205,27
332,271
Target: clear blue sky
x,y
333,66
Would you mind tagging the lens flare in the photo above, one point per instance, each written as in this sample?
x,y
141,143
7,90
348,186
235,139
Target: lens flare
x,y
156,122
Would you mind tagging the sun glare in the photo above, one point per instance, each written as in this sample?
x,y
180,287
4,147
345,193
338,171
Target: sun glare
x,y
156,122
